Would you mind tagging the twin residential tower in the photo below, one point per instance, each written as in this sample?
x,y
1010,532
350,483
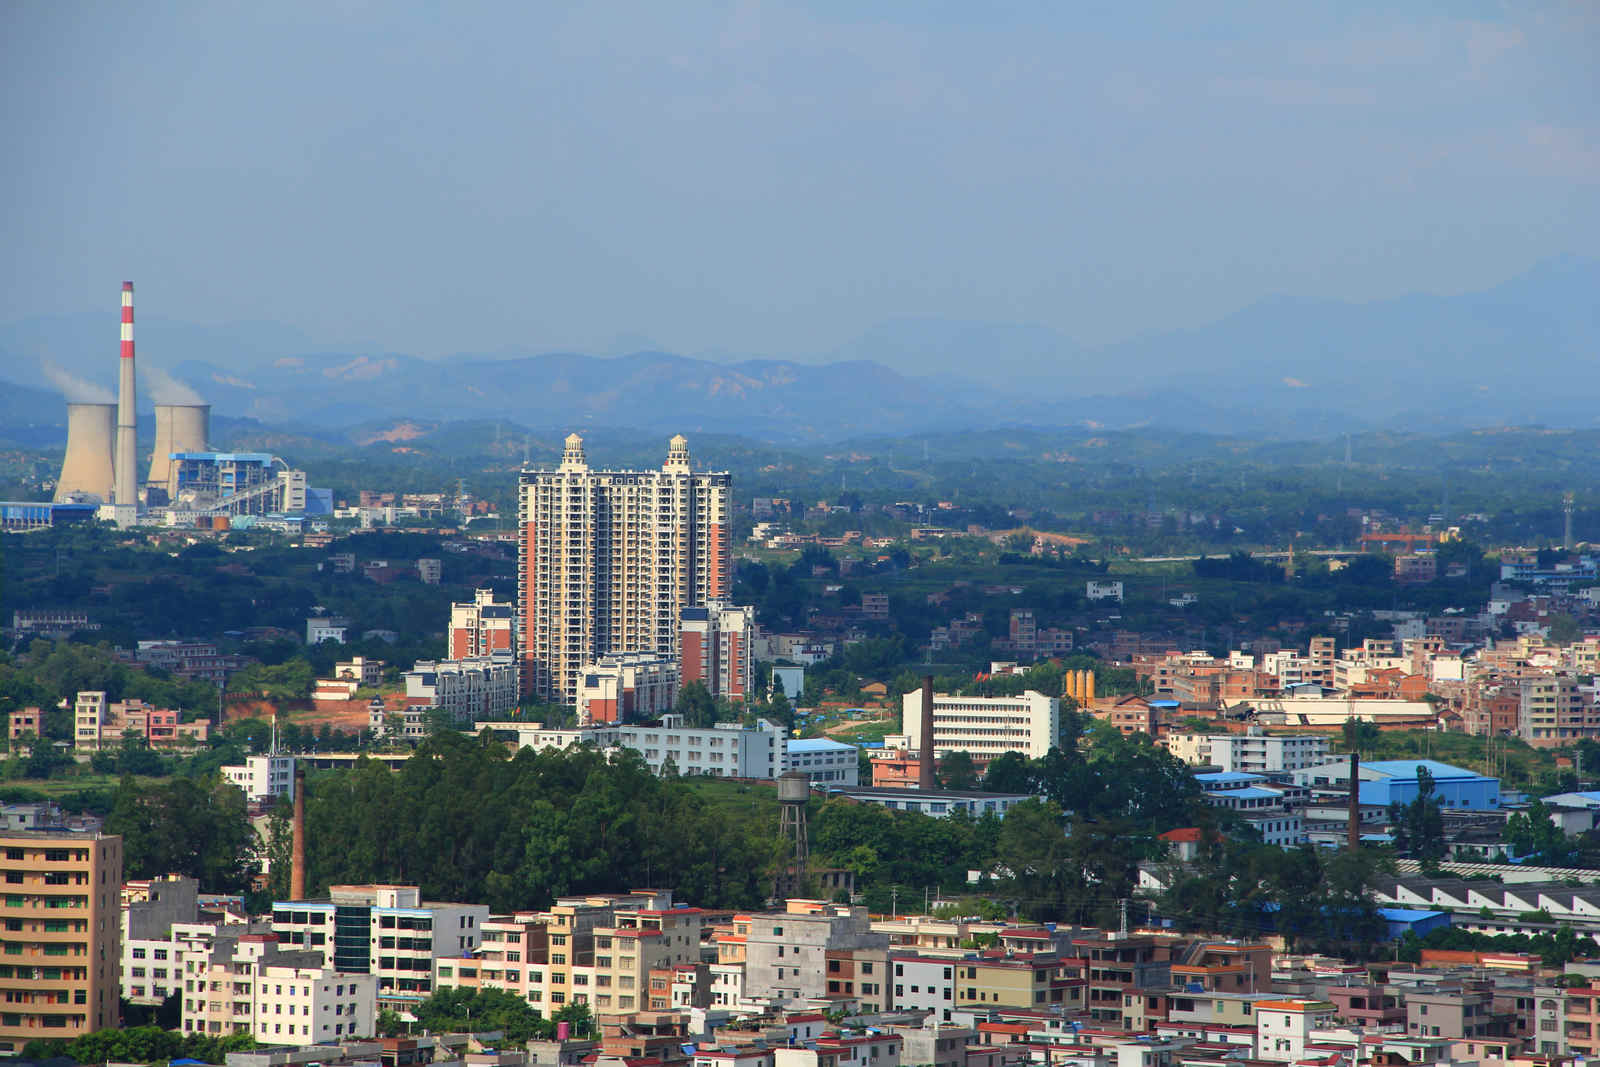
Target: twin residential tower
x,y
607,562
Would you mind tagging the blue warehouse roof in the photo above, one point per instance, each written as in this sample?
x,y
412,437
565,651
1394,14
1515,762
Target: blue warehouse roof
x,y
1409,768
817,744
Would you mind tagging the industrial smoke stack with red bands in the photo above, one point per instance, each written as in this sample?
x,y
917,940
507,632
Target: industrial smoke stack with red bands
x,y
127,419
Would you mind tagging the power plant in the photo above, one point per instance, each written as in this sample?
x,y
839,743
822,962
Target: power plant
x,y
186,483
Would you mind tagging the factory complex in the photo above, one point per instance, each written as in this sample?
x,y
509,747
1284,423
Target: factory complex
x,y
187,483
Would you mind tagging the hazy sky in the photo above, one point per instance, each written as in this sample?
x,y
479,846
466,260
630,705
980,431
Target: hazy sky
x,y
773,179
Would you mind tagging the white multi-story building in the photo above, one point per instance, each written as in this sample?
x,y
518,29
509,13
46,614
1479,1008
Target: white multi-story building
x,y
1261,753
482,687
985,727
825,761
263,778
1097,590
383,930
726,750
627,687
925,983
608,560
251,985
1283,1027
151,958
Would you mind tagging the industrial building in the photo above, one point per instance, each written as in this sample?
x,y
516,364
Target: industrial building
x,y
608,560
185,482
1386,782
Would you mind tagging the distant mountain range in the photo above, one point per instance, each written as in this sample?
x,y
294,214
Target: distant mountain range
x,y
1522,352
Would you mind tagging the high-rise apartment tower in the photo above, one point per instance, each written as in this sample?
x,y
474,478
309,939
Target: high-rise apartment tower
x,y
608,560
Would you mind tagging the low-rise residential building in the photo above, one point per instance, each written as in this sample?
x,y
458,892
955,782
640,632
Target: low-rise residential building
x,y
627,687
151,968
263,778
250,985
482,687
785,954
386,931
100,724
1258,752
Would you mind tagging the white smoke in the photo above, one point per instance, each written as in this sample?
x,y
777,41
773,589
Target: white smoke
x,y
165,389
76,390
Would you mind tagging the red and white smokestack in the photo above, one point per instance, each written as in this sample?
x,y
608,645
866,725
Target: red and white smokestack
x,y
127,418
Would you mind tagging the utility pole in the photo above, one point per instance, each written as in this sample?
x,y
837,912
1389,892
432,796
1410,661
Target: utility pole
x,y
894,901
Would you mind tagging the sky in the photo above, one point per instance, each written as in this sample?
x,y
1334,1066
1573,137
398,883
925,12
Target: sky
x,y
751,178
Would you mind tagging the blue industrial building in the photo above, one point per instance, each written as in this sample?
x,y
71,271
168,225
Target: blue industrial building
x,y
1396,782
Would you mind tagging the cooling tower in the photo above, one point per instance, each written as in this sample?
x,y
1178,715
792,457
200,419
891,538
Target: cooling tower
x,y
179,428
87,468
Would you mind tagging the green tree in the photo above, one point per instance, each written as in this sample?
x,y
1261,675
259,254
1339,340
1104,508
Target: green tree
x,y
957,771
696,706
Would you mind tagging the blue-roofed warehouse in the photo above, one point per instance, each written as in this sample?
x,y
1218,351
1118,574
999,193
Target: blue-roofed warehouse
x,y
1396,782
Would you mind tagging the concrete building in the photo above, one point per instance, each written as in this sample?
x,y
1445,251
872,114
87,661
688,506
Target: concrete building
x,y
320,628
1283,1027
1261,805
1258,752
825,761
483,626
627,687
253,985
150,908
263,778
483,687
939,803
923,983
985,727
785,953
726,750
1097,590
609,560
1552,712
429,571
61,943
382,930
714,643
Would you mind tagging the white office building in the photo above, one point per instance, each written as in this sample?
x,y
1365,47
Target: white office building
x,y
985,727
1257,752
726,750
825,761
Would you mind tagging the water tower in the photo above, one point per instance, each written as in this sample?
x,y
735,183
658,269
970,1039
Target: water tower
x,y
794,790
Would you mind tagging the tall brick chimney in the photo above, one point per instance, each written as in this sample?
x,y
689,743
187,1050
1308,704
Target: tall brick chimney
x,y
297,870
925,775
